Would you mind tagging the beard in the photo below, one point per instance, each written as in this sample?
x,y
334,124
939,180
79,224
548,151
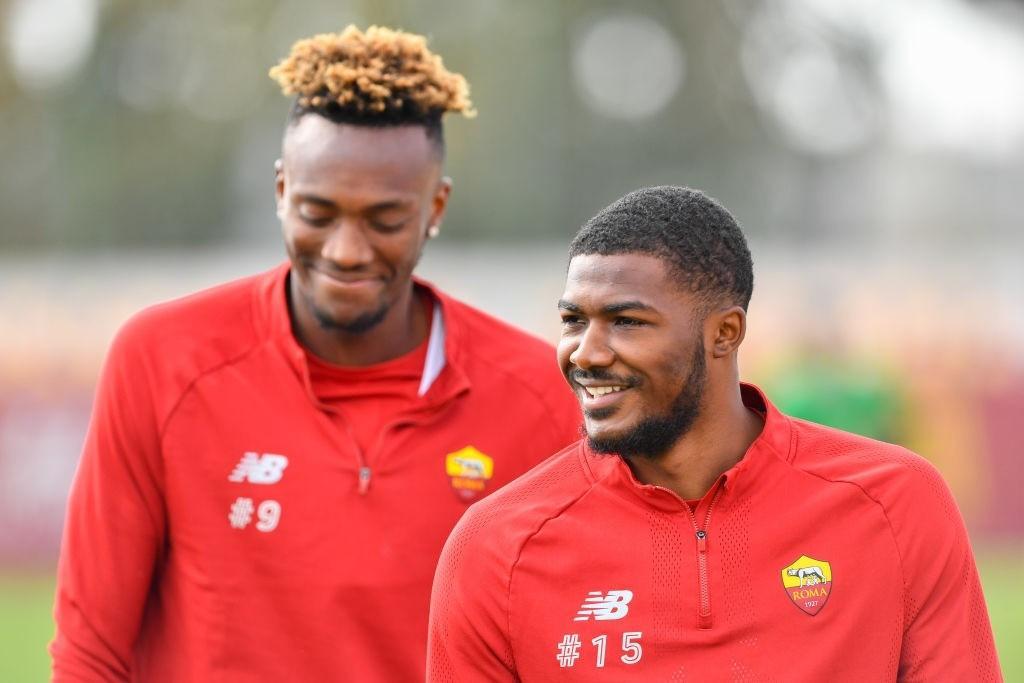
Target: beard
x,y
656,434
360,324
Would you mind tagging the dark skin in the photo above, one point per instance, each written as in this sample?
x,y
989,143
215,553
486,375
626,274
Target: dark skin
x,y
626,318
357,205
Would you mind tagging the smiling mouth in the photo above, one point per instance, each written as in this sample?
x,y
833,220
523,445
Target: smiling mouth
x,y
347,279
602,391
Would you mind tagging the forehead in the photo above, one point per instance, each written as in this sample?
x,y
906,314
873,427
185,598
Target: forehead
x,y
596,281
324,158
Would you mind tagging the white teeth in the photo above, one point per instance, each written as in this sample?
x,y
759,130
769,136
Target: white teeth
x,y
601,391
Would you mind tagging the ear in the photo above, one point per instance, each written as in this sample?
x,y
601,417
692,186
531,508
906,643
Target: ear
x,y
439,204
279,186
726,328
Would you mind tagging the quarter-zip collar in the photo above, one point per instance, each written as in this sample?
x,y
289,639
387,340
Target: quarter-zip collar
x,y
774,442
442,378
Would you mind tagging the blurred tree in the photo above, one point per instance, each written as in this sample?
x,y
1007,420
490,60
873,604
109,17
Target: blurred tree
x,y
164,129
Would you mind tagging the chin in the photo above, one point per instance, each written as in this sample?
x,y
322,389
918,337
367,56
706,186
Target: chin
x,y
604,434
347,304
612,421
352,322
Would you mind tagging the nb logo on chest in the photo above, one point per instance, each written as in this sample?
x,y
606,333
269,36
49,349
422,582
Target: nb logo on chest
x,y
604,607
259,469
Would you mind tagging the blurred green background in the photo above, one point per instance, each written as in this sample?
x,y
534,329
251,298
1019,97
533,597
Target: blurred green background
x,y
873,151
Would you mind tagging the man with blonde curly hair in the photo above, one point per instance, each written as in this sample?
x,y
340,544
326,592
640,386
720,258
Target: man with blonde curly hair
x,y
273,465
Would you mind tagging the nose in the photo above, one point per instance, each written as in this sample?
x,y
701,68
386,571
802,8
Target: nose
x,y
593,350
347,246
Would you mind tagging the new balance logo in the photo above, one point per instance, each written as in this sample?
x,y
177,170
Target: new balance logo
x,y
605,607
257,469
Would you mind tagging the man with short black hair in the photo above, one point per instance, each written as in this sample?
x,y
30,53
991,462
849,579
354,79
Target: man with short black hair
x,y
273,465
697,533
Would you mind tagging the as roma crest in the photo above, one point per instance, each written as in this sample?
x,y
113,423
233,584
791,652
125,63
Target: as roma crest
x,y
808,583
469,471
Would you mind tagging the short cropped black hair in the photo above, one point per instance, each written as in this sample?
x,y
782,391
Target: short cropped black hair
x,y
696,235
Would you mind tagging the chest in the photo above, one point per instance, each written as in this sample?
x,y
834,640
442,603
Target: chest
x,y
814,591
263,483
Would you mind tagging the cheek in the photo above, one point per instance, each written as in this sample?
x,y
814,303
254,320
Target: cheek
x,y
672,371
296,237
290,246
401,253
565,349
655,369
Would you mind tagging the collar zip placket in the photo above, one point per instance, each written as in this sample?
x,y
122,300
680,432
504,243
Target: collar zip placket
x,y
436,362
773,443
700,522
700,518
302,366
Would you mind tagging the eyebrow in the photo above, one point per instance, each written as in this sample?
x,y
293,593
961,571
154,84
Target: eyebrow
x,y
610,309
392,204
313,199
382,206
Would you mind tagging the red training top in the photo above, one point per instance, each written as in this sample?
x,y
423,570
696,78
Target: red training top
x,y
363,400
223,525
820,556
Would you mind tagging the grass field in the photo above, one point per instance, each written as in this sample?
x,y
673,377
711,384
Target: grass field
x,y
26,626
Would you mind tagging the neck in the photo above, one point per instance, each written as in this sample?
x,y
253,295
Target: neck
x,y
403,328
717,441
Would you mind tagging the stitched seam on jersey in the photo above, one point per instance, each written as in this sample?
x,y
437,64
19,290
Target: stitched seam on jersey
x,y
97,665
192,383
892,532
790,454
452,321
259,340
539,395
162,432
588,471
794,437
519,555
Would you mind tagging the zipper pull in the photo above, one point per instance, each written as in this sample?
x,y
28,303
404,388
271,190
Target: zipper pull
x,y
364,480
702,541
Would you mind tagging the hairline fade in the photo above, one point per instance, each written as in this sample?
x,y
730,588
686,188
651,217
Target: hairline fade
x,y
695,235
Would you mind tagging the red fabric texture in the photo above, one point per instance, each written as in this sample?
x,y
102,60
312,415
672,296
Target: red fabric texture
x,y
531,584
185,559
363,400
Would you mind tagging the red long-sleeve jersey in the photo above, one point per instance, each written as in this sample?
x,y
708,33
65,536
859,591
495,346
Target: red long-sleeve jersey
x,y
223,527
821,556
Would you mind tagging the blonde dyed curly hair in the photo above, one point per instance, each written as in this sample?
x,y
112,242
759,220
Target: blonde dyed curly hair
x,y
378,77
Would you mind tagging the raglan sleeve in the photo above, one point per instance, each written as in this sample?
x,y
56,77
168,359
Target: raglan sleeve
x,y
946,631
114,526
468,636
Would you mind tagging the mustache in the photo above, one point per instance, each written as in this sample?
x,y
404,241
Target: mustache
x,y
579,375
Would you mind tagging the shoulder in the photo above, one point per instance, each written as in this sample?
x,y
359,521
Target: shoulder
x,y
470,598
501,358
499,525
903,483
835,454
480,330
162,350
219,318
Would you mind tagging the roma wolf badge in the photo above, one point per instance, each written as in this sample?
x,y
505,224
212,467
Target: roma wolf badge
x,y
808,583
469,471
